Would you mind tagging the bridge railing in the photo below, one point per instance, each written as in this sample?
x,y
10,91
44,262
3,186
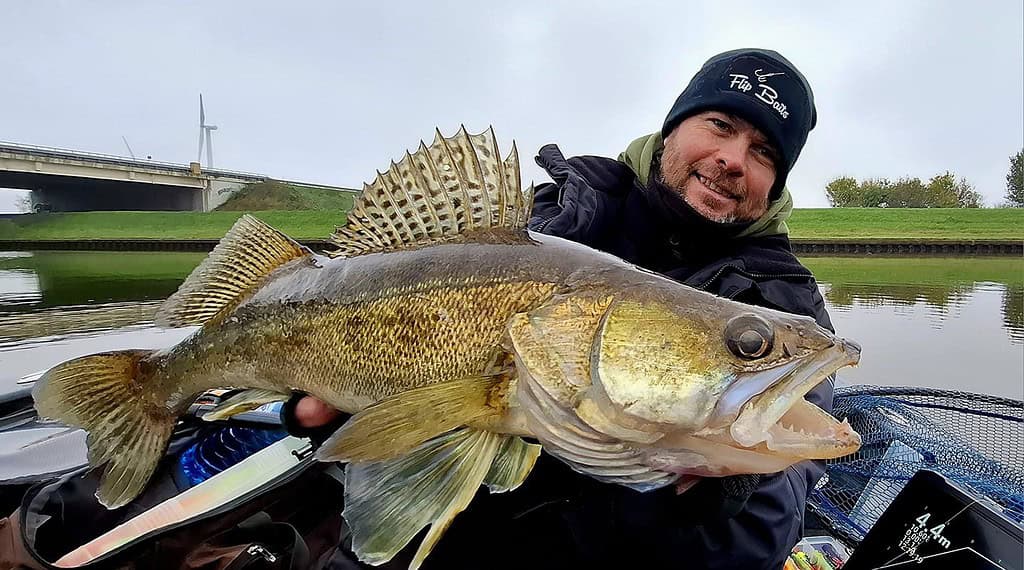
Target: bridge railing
x,y
120,160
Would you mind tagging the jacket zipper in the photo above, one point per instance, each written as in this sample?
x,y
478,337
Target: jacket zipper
x,y
704,286
254,552
258,550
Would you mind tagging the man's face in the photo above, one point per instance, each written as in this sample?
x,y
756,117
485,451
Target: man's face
x,y
721,165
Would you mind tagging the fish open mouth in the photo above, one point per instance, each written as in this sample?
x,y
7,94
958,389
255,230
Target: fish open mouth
x,y
765,413
780,421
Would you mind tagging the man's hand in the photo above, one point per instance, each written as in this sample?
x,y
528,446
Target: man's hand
x,y
313,413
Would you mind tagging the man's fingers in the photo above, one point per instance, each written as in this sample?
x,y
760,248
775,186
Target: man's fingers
x,y
311,412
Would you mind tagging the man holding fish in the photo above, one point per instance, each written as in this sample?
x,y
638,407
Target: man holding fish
x,y
653,334
704,202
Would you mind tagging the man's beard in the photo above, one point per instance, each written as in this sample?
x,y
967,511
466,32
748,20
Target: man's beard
x,y
676,175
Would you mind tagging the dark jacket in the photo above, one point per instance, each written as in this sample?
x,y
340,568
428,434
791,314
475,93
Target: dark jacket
x,y
560,519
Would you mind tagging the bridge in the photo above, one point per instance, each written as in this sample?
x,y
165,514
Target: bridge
x,y
63,180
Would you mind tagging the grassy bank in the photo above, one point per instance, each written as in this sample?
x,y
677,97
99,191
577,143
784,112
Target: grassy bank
x,y
841,224
275,195
902,223
934,271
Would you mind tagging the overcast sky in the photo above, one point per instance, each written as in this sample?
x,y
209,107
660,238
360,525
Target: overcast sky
x,y
329,92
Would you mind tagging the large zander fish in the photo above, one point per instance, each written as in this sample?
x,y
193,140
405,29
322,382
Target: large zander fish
x,y
451,332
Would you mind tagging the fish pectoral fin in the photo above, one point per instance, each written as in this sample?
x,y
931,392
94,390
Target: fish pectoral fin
x,y
387,503
249,252
514,461
396,425
244,401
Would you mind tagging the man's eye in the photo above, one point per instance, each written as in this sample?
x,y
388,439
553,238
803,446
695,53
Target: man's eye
x,y
765,152
722,125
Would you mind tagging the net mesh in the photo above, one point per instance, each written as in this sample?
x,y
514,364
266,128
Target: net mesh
x,y
974,439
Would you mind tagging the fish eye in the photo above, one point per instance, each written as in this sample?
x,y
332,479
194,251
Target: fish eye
x,y
749,337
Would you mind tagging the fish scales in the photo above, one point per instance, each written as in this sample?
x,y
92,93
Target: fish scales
x,y
450,332
355,331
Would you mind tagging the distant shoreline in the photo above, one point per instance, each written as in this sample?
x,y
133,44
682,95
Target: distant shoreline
x,y
881,247
826,231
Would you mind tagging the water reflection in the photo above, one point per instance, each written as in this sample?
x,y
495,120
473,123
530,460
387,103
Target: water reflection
x,y
1013,312
19,287
940,322
56,323
943,285
72,278
59,305
948,323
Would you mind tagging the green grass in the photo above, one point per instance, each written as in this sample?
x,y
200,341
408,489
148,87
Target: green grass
x,y
923,271
902,223
842,224
275,195
302,212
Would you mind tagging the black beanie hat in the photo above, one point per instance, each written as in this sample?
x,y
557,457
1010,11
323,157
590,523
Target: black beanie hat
x,y
760,86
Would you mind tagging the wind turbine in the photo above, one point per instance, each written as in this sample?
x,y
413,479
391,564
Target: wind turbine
x,y
205,135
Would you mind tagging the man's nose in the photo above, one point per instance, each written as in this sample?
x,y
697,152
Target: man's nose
x,y
730,156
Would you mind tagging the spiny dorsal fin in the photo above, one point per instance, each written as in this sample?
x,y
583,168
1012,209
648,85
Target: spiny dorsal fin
x,y
438,193
250,251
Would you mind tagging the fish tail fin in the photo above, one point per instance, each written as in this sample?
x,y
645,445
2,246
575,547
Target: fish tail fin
x,y
128,432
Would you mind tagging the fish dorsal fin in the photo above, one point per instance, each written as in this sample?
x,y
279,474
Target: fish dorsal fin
x,y
439,193
249,252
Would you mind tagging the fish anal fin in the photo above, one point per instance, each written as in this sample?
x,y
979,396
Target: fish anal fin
x,y
244,401
249,252
387,503
440,193
396,425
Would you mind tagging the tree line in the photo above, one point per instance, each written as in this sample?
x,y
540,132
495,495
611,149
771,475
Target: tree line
x,y
942,191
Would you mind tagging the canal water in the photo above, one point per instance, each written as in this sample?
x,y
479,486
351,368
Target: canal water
x,y
955,323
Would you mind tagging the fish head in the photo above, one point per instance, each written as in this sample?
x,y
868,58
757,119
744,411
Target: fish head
x,y
724,383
